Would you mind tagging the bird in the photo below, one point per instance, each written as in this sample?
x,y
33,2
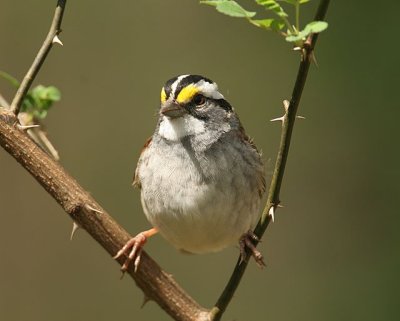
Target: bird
x,y
200,176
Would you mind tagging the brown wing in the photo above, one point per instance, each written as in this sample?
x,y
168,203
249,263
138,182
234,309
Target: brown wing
x,y
262,186
136,180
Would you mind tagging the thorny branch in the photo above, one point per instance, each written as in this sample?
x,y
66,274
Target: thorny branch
x,y
87,213
273,200
51,38
156,284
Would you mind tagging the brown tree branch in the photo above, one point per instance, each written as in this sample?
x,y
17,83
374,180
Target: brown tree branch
x,y
273,200
156,284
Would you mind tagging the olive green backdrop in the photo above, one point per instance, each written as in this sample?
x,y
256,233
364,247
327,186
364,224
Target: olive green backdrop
x,y
333,251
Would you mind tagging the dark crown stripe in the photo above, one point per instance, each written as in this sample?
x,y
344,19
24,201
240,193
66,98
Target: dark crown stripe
x,y
168,86
190,79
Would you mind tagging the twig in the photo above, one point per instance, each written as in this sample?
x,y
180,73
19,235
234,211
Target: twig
x,y
35,130
3,102
40,138
26,83
156,284
274,190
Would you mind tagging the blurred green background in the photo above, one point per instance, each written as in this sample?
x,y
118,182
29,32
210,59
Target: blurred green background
x,y
333,251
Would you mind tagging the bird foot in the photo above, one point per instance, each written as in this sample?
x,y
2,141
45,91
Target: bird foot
x,y
246,241
132,249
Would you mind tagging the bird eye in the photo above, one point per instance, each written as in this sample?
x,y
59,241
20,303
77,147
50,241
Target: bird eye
x,y
199,100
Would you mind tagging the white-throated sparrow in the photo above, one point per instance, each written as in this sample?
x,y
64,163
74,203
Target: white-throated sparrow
x,y
200,175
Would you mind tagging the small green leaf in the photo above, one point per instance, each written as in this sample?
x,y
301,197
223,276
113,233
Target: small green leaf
x,y
230,8
263,23
211,2
312,27
273,6
316,26
294,38
269,24
39,100
277,25
294,2
14,82
50,93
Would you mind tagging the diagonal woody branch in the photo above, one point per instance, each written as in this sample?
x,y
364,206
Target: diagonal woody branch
x,y
156,284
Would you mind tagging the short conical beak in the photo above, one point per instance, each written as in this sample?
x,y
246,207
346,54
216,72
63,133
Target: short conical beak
x,y
172,110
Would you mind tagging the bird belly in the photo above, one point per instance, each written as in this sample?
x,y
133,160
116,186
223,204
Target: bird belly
x,y
194,213
206,222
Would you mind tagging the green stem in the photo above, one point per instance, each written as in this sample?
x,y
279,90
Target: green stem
x,y
9,78
273,195
288,25
298,15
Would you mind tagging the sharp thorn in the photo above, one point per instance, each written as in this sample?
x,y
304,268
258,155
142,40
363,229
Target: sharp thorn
x,y
75,227
279,206
314,59
145,300
26,127
57,40
272,213
297,48
300,117
278,119
93,209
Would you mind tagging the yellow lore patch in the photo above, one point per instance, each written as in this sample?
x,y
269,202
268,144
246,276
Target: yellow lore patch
x,y
163,95
186,94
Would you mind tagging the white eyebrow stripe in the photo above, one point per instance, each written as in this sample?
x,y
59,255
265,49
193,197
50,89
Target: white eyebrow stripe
x,y
209,89
175,84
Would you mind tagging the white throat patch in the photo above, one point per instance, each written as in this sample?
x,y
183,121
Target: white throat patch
x,y
176,128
